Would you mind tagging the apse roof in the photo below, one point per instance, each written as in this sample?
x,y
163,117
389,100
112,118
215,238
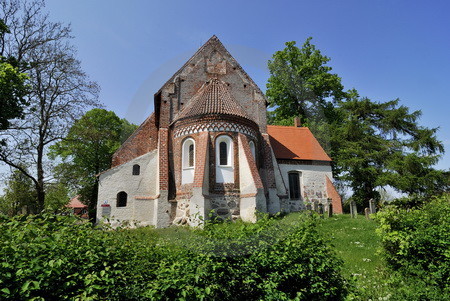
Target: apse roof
x,y
213,98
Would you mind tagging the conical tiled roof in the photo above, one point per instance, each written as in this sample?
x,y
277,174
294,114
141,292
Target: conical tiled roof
x,y
213,98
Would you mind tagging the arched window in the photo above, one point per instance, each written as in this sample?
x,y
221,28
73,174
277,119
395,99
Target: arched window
x,y
188,161
224,159
122,199
188,157
136,170
294,185
252,149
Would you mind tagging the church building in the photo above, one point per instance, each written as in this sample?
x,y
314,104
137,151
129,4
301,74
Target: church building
x,y
207,151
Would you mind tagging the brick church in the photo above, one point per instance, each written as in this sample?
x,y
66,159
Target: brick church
x,y
207,151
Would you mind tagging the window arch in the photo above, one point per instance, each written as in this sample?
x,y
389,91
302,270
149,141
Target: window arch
x,y
188,156
224,151
294,185
136,170
252,149
224,159
188,161
122,199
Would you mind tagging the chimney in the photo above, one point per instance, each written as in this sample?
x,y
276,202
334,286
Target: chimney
x,y
297,122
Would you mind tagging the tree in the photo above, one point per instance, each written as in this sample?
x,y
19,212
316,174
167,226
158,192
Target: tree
x,y
301,84
59,89
12,88
87,150
373,144
19,196
381,143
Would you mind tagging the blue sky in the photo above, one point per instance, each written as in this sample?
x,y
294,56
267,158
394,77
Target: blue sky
x,y
384,49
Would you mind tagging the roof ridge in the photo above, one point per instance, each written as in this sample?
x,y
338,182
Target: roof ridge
x,y
289,126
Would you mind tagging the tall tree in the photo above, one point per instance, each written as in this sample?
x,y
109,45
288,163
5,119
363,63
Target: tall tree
x,y
87,150
59,89
301,84
381,143
373,144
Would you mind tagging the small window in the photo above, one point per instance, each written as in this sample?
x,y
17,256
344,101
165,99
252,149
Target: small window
x,y
223,153
136,170
122,199
294,186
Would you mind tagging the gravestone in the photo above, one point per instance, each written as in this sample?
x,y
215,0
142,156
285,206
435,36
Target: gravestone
x,y
367,212
372,206
353,209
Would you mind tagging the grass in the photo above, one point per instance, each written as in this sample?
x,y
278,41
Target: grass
x,y
355,242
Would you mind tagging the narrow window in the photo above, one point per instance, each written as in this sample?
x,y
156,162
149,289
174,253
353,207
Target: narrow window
x,y
252,149
191,155
122,199
294,186
223,153
136,170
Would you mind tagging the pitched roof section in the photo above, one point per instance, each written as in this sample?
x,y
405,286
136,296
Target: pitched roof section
x,y
295,143
212,98
75,203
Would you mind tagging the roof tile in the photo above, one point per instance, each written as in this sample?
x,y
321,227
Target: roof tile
x,y
213,98
295,143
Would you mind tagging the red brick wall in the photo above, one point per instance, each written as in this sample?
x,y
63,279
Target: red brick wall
x,y
143,140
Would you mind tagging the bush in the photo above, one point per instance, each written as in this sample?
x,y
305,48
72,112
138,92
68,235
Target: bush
x,y
56,257
416,243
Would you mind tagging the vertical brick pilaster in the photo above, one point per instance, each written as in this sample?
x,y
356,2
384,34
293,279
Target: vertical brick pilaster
x,y
268,162
202,159
163,159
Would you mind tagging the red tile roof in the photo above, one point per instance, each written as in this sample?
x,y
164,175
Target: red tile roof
x,y
297,143
75,203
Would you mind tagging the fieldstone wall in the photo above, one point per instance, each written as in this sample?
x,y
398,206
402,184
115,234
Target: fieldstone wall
x,y
225,207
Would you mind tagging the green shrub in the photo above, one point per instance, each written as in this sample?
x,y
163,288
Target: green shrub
x,y
416,244
56,257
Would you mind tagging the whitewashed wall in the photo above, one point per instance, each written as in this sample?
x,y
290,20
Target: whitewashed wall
x,y
143,186
312,182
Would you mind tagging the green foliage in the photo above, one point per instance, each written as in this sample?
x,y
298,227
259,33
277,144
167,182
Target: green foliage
x,y
380,143
56,197
300,83
416,245
373,144
12,87
55,257
87,150
19,195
